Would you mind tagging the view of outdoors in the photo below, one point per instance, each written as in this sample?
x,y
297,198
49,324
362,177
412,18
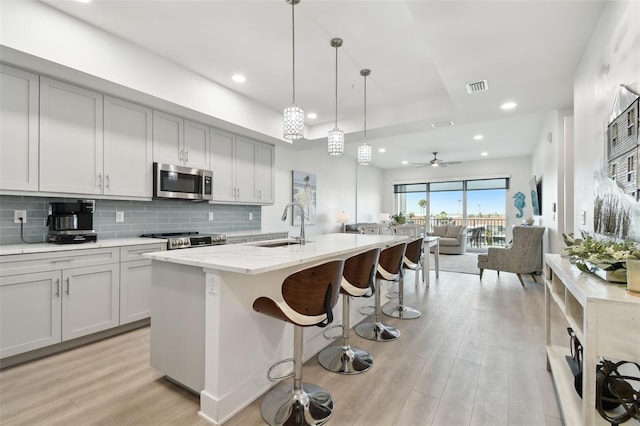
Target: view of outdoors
x,y
445,203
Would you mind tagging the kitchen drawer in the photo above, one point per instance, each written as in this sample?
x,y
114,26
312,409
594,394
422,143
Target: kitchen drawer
x,y
131,253
41,262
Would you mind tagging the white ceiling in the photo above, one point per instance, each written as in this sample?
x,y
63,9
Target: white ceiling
x,y
421,54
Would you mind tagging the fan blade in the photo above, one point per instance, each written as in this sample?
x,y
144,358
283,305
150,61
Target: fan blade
x,y
448,163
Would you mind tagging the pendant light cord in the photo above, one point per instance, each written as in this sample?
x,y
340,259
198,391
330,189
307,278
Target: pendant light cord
x,y
365,109
293,49
336,126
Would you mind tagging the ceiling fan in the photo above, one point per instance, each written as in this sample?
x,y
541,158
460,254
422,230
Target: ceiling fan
x,y
436,162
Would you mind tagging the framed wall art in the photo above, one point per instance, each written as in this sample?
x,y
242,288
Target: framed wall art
x,y
304,192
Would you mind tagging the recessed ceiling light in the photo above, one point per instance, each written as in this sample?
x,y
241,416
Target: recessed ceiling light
x,y
382,149
312,115
405,162
478,137
484,154
508,105
84,1
239,78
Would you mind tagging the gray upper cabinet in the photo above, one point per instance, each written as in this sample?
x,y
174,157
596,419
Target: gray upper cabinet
x,y
71,156
180,142
243,170
265,176
19,99
222,152
128,148
94,146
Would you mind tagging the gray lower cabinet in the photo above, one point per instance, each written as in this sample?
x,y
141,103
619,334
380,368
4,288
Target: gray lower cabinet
x,y
30,312
53,297
135,282
43,308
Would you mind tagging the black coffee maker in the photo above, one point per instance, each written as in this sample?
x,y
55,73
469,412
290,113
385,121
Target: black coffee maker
x,y
71,222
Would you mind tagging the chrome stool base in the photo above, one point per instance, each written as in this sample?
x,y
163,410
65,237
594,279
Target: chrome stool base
x,y
401,311
310,406
345,359
377,331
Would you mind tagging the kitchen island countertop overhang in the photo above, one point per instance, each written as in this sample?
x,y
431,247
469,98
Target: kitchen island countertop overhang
x,y
256,258
204,333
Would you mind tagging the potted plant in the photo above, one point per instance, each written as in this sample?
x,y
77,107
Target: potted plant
x,y
399,219
604,257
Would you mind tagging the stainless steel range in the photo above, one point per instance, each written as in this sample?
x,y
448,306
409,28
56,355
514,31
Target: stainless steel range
x,y
181,240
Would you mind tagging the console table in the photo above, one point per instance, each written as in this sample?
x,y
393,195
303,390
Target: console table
x,y
606,320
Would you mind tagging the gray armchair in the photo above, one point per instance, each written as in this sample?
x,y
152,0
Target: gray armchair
x,y
522,257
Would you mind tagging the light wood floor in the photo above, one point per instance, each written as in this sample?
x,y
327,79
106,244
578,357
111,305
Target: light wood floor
x,y
475,357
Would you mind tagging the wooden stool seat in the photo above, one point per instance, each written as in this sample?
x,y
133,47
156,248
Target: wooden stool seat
x,y
309,296
389,269
412,260
357,281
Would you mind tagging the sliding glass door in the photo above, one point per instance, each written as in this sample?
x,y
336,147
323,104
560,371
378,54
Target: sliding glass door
x,y
479,204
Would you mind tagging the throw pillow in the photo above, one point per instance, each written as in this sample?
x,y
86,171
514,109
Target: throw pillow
x,y
453,231
440,231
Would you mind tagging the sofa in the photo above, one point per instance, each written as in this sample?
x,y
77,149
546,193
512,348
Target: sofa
x,y
453,238
355,228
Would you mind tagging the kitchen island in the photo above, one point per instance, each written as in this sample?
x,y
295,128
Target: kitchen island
x,y
204,332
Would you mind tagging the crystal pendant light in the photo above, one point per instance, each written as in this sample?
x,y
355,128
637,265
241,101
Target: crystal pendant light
x,y
336,136
293,115
364,150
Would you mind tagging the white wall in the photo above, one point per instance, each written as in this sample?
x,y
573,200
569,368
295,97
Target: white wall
x,y
39,30
518,169
612,58
549,164
336,190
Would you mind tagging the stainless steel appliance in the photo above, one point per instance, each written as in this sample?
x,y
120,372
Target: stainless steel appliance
x,y
71,222
170,181
181,240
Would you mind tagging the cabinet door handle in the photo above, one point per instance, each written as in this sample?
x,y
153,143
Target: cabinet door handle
x,y
58,287
106,182
100,180
186,155
62,260
259,194
181,156
68,286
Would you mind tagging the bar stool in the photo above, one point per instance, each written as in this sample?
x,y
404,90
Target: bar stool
x,y
389,269
309,297
358,277
412,259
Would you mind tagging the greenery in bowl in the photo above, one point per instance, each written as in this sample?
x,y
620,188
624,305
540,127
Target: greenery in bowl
x,y
399,219
606,254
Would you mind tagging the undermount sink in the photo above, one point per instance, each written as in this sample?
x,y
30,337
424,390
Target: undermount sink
x,y
278,244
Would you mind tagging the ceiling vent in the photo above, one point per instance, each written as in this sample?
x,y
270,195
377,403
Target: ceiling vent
x,y
442,124
478,86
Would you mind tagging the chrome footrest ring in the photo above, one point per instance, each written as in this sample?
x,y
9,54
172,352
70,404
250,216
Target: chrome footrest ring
x,y
367,310
277,364
324,333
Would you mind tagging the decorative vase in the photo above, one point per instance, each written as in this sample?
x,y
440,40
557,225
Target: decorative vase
x,y
615,276
633,275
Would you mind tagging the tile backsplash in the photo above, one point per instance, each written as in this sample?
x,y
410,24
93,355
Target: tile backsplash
x,y
140,217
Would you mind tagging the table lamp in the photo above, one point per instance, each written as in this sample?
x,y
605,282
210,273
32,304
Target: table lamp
x,y
343,218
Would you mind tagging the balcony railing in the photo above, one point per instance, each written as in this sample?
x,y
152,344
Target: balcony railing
x,y
489,231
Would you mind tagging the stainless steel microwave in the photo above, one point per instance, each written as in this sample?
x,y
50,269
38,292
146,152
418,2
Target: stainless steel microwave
x,y
170,181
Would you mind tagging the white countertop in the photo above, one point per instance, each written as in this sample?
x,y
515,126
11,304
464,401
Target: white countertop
x,y
9,249
250,258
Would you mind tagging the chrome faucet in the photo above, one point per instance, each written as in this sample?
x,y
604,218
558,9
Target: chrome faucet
x,y
299,238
